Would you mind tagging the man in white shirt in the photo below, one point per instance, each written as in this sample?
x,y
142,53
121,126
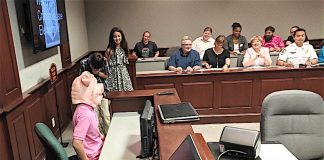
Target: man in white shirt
x,y
298,52
201,44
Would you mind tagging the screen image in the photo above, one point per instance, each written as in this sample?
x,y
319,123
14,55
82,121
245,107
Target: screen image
x,y
44,23
51,25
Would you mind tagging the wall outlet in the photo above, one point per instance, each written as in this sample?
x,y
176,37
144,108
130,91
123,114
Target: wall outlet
x,y
53,122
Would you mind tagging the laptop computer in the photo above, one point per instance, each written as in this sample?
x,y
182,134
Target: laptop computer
x,y
180,112
187,150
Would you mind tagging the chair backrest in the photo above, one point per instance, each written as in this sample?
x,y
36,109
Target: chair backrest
x,y
294,118
54,150
240,58
171,50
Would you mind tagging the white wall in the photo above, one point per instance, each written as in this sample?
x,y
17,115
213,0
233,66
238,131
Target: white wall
x,y
36,73
169,20
76,27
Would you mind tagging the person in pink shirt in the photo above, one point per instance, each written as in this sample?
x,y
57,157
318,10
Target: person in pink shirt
x,y
87,94
274,42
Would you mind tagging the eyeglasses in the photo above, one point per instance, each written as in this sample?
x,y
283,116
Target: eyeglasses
x,y
186,44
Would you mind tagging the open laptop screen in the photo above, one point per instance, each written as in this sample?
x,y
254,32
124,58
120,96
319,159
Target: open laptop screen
x,y
187,150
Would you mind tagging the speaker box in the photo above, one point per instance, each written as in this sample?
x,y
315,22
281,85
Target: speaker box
x,y
241,143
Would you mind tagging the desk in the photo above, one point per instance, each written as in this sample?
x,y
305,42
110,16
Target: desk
x,y
235,95
267,152
170,135
275,151
123,137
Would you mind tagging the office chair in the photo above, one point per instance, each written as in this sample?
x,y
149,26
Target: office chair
x,y
53,148
240,58
294,118
171,50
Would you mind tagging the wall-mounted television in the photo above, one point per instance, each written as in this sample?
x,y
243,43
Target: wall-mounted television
x,y
147,124
41,23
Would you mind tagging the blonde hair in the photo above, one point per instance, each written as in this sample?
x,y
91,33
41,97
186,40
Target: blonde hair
x,y
220,39
254,38
184,38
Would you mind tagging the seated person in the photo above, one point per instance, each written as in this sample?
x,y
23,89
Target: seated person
x,y
298,52
257,55
236,43
321,56
271,41
290,38
217,57
87,94
184,59
146,48
204,42
97,64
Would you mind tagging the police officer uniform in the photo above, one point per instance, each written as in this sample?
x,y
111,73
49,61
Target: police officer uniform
x,y
297,55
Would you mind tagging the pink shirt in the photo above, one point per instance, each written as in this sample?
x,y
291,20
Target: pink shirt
x,y
276,41
86,129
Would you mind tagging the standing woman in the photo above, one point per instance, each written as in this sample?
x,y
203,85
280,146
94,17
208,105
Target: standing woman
x,y
146,48
257,55
236,43
117,55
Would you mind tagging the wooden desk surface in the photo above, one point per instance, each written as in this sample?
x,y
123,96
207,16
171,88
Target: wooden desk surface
x,y
170,135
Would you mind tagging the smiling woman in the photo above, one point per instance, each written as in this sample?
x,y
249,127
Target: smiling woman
x,y
117,55
257,55
146,48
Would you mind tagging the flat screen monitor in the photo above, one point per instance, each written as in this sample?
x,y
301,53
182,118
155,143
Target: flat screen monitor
x,y
187,150
45,23
147,130
39,23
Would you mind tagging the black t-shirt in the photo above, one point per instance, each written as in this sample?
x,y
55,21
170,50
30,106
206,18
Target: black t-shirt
x,y
143,51
217,61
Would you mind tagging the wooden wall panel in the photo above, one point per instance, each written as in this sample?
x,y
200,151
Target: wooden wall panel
x,y
314,84
36,113
5,147
132,105
159,86
271,85
65,45
236,94
199,94
10,91
50,109
18,135
64,102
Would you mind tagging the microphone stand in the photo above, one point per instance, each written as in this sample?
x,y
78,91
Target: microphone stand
x,y
116,69
64,144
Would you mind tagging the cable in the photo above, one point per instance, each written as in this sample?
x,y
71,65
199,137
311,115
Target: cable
x,y
235,151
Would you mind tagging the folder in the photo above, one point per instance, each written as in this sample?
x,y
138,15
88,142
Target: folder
x,y
180,112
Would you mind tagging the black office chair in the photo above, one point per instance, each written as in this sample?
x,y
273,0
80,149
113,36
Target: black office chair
x,y
295,118
171,50
53,148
